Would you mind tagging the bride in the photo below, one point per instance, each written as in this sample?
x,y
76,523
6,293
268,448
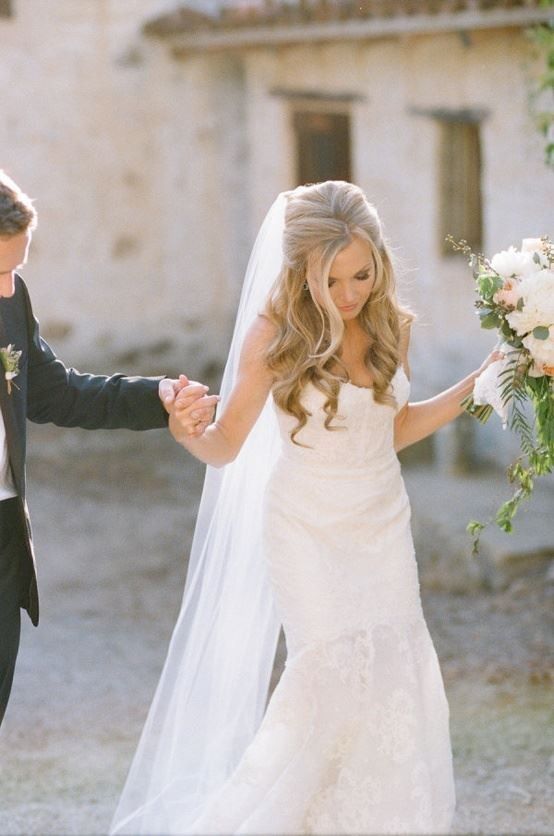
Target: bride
x,y
305,523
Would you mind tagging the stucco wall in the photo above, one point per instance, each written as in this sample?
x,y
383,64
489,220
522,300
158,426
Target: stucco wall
x,y
96,127
152,174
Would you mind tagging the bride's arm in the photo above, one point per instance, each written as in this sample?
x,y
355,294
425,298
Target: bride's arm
x,y
222,440
416,421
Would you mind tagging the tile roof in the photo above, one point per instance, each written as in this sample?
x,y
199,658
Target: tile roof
x,y
278,13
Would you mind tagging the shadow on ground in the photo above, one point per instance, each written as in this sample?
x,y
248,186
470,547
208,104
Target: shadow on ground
x,y
113,516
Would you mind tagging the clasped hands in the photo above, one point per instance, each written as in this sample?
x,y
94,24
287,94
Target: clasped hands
x,y
189,406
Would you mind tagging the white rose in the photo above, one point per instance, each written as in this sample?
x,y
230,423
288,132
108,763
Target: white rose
x,y
512,262
542,351
531,245
537,292
536,247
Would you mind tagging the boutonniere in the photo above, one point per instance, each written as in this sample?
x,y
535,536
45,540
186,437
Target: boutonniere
x,y
10,361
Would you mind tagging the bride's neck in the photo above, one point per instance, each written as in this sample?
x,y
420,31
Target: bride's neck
x,y
353,333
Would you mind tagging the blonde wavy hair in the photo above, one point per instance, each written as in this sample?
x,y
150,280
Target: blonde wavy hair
x,y
320,220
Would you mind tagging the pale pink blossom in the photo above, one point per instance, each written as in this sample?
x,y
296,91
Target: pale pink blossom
x,y
538,369
509,294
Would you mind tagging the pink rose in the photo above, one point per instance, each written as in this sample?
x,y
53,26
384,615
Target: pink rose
x,y
509,294
538,369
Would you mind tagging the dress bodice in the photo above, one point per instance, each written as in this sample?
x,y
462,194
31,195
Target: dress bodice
x,y
366,427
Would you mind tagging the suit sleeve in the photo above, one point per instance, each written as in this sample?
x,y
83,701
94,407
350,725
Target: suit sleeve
x,y
68,398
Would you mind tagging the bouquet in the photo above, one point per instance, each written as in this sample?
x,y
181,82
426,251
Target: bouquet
x,y
515,295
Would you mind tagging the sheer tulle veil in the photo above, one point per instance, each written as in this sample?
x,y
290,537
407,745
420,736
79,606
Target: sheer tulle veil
x,y
212,692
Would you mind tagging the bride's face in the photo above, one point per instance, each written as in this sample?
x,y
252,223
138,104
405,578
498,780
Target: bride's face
x,y
351,278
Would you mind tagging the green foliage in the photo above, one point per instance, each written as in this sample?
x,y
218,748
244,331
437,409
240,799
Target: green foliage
x,y
523,478
542,393
542,37
489,319
475,528
488,284
536,440
480,411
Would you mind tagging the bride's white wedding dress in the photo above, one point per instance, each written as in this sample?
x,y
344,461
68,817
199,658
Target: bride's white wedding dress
x,y
355,739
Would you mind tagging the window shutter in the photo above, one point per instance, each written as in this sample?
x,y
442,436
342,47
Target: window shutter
x,y
322,146
460,183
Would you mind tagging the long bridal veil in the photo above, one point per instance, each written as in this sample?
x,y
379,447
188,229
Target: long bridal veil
x,y
212,692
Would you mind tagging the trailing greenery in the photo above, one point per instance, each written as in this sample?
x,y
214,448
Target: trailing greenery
x,y
536,441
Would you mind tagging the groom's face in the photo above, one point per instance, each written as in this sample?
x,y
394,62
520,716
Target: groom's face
x,y
13,254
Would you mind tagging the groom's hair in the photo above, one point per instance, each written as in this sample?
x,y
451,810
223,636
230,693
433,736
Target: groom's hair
x,y
17,213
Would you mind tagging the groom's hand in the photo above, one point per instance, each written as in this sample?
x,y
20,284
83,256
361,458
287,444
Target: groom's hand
x,y
169,388
189,405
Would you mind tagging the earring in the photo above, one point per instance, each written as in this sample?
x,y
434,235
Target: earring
x,y
305,286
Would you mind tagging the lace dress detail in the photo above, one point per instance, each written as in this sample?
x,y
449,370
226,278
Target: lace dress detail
x,y
355,738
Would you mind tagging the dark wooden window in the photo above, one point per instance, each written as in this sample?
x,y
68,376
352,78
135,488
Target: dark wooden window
x,y
322,146
460,183
6,8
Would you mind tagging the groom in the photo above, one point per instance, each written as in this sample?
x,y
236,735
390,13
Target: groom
x,y
34,384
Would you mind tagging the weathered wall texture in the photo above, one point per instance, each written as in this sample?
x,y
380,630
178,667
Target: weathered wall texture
x,y
152,174
88,128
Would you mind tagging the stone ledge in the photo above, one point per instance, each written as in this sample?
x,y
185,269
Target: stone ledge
x,y
442,505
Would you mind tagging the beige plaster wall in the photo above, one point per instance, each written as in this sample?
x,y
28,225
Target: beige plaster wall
x,y
152,174
117,148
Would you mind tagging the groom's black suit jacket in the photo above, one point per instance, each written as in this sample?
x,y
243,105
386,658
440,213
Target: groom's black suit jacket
x,y
45,391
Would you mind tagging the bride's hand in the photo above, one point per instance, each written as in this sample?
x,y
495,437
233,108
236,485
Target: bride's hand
x,y
192,411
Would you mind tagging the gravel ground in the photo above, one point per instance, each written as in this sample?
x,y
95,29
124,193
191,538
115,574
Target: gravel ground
x,y
113,516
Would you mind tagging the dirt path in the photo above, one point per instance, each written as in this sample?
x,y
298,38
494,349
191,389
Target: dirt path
x,y
113,516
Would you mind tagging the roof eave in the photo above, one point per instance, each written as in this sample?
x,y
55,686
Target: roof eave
x,y
218,40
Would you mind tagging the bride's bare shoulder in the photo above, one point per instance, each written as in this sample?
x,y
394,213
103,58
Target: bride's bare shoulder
x,y
405,331
261,334
258,339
